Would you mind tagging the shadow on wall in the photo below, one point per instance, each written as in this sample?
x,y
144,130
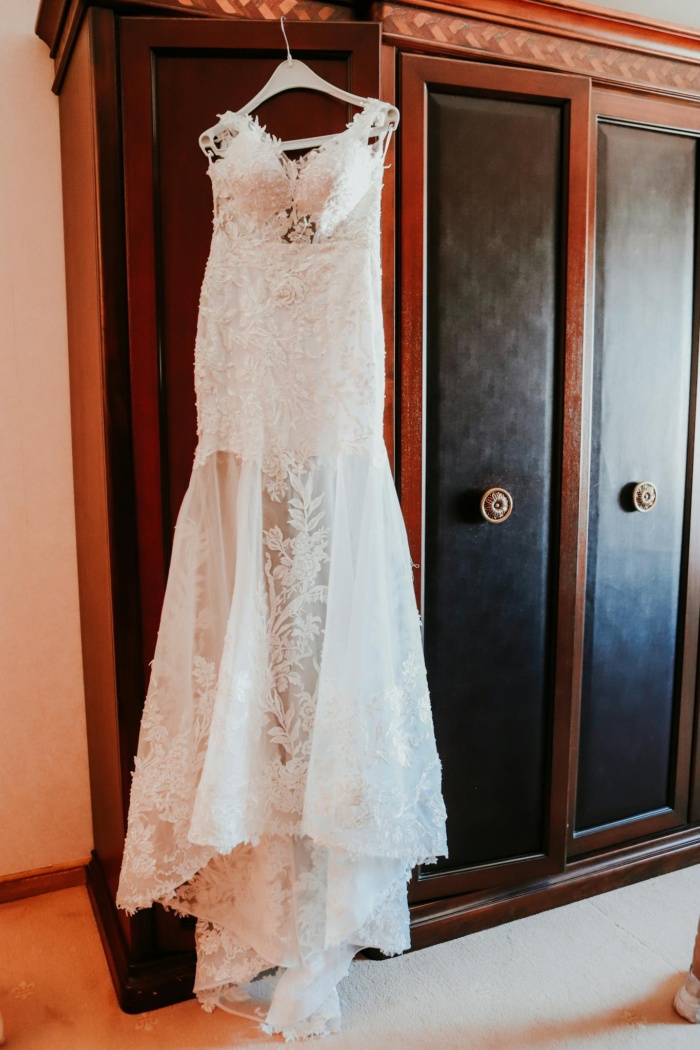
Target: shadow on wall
x,y
685,12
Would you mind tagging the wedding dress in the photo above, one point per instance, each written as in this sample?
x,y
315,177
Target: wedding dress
x,y
287,779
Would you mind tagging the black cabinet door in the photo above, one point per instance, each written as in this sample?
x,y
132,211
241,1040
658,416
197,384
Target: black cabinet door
x,y
493,251
638,656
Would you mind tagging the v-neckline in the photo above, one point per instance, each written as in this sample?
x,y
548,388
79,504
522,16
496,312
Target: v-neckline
x,y
299,163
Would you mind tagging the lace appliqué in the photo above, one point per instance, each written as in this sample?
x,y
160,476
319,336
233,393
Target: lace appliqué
x,y
288,885
268,693
289,348
171,761
293,565
321,186
287,777
380,797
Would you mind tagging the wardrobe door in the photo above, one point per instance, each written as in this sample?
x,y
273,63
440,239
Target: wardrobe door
x,y
494,194
641,620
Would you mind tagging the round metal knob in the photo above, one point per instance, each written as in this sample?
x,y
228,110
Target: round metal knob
x,y
496,505
644,496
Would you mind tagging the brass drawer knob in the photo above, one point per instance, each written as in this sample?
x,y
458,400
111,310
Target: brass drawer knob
x,y
496,505
644,496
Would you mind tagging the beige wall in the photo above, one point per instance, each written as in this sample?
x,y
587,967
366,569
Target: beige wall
x,y
44,793
686,12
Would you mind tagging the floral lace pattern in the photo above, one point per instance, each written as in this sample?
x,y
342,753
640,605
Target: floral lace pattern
x,y
287,778
168,763
377,799
297,200
285,358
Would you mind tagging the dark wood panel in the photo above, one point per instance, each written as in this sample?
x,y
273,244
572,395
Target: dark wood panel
x,y
42,880
389,283
140,984
100,420
642,110
494,253
502,312
641,396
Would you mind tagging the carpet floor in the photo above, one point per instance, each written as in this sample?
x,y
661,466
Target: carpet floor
x,y
596,975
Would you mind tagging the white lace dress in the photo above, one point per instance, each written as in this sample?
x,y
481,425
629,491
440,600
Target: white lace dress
x,y
287,779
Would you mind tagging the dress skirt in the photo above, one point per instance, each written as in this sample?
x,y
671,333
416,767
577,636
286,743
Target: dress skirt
x,y
287,779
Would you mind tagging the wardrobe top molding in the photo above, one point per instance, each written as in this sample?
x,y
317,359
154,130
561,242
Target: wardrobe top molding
x,y
563,35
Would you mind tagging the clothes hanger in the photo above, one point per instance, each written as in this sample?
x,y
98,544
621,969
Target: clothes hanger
x,y
293,74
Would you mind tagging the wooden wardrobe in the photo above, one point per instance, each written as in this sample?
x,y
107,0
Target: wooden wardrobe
x,y
542,311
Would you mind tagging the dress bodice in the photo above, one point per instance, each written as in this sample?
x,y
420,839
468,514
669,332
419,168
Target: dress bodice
x,y
289,355
260,193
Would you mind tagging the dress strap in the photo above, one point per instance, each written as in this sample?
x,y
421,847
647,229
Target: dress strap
x,y
378,118
215,140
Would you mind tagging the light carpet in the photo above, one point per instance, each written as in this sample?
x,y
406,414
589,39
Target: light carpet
x,y
596,975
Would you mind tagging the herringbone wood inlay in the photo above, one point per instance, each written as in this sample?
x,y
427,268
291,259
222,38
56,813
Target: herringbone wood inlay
x,y
301,10
540,49
478,36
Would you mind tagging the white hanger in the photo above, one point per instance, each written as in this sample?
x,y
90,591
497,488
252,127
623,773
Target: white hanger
x,y
290,75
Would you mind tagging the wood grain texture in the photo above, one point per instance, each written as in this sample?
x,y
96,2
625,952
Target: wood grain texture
x,y
682,116
90,467
140,985
440,920
609,46
575,20
294,10
493,39
101,437
42,880
561,16
573,96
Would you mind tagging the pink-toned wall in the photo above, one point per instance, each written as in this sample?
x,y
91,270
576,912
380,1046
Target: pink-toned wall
x,y
684,12
44,791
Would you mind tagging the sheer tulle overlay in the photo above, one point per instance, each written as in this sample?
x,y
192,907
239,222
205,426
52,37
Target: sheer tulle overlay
x,y
287,779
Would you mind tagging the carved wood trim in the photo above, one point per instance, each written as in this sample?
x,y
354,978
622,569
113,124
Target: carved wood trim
x,y
605,64
301,10
42,880
73,12
574,20
54,15
560,35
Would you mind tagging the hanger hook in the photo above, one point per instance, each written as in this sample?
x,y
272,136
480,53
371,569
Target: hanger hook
x,y
284,34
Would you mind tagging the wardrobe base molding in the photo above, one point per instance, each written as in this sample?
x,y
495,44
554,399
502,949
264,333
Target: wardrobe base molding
x,y
41,880
139,986
442,920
